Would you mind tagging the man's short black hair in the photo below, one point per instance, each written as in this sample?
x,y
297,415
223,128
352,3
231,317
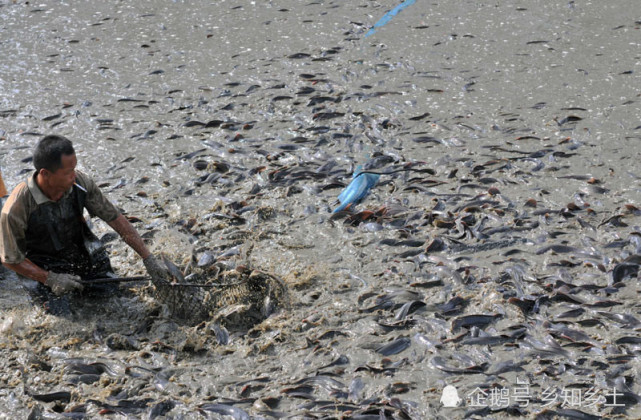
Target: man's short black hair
x,y
49,151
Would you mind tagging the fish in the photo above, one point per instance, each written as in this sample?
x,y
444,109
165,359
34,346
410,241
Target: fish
x,y
427,342
86,378
125,406
299,391
339,361
63,396
96,368
327,115
173,269
626,320
394,347
227,410
486,340
568,413
51,117
507,366
326,382
473,320
355,389
408,308
440,363
624,270
190,155
222,335
160,409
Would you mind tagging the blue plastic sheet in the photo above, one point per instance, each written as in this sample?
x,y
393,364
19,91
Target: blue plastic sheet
x,y
361,183
389,15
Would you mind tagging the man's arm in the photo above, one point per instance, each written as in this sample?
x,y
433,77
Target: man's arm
x,y
156,269
98,205
29,269
59,283
130,235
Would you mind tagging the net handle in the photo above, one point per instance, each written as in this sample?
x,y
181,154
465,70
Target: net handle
x,y
105,280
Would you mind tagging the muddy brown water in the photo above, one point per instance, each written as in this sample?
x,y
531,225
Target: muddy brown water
x,y
504,264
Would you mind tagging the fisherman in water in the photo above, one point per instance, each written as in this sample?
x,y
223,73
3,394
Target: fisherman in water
x,y
44,235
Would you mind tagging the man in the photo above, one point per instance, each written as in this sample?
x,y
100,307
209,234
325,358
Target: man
x,y
43,232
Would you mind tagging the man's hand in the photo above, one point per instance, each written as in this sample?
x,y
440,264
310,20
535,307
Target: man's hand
x,y
61,283
156,269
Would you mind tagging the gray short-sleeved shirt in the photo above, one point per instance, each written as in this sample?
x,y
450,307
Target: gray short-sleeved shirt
x,y
26,198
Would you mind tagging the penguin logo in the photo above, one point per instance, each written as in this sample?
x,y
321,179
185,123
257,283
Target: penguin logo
x,y
450,397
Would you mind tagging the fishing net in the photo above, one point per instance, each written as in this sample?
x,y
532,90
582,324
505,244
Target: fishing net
x,y
239,297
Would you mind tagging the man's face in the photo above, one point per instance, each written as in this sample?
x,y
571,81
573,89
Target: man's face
x,y
65,176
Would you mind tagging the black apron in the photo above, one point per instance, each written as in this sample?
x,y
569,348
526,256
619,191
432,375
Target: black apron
x,y
59,240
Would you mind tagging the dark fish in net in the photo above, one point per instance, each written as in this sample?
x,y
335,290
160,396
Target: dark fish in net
x,y
237,298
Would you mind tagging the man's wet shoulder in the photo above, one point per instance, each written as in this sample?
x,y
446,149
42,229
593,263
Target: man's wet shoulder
x,y
20,199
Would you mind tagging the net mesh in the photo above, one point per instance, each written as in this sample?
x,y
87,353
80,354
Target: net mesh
x,y
238,297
